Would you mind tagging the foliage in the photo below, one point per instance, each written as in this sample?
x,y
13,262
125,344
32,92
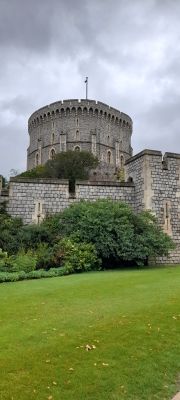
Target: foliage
x,y
4,181
37,172
31,236
118,234
8,232
75,257
25,262
3,259
21,275
44,254
71,165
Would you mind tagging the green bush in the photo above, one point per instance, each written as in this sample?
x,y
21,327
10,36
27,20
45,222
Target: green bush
x,y
25,262
119,235
21,275
44,254
31,236
75,257
12,276
10,228
3,260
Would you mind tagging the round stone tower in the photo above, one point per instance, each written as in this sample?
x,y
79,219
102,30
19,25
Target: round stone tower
x,y
81,125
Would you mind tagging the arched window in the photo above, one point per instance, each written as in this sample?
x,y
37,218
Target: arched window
x,y
73,111
52,137
109,157
79,111
85,111
77,148
52,154
37,159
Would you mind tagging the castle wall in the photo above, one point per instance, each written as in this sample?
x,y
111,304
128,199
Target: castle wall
x,y
157,188
152,183
33,199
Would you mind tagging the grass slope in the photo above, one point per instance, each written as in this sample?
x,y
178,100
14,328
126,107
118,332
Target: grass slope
x,y
132,317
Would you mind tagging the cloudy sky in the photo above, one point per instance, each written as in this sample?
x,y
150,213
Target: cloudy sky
x,y
129,49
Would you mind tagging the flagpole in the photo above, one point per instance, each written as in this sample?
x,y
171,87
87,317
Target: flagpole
x,y
86,82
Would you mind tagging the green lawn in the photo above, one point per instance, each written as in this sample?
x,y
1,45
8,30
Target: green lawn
x,y
131,317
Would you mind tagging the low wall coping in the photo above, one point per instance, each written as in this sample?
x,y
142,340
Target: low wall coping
x,y
39,180
145,152
105,183
172,155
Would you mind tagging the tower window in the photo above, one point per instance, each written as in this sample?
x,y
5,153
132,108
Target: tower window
x,y
52,138
109,157
122,161
37,159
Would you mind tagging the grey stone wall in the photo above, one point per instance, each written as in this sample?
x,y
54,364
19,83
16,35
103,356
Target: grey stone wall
x,y
33,199
86,124
157,188
100,190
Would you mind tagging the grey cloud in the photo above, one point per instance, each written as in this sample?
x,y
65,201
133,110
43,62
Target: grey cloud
x,y
129,49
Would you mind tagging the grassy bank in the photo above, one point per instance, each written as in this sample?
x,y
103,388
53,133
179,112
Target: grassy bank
x,y
131,318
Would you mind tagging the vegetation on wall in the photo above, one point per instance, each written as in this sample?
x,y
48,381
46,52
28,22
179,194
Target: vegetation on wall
x,y
71,165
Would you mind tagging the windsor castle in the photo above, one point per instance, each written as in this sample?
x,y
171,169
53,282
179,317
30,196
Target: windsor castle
x,y
146,181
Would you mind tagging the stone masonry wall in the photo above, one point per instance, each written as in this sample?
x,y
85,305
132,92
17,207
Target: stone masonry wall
x,y
157,188
32,199
100,190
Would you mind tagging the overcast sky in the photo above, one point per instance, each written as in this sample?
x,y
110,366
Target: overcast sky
x,y
129,49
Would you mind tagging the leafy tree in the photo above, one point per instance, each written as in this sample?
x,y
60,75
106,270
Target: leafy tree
x,y
119,235
71,165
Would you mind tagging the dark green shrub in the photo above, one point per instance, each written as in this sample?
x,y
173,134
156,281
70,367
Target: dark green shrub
x,y
31,236
44,254
75,257
3,260
9,228
25,262
120,236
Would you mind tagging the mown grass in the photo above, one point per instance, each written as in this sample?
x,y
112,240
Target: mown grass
x,y
132,317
